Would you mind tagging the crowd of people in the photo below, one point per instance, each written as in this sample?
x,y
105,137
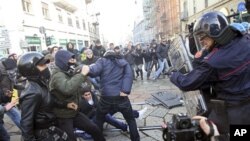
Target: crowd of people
x,y
64,90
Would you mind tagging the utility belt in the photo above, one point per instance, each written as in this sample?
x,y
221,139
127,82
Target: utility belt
x,y
52,133
237,103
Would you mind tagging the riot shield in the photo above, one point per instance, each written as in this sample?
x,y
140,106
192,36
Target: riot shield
x,y
181,60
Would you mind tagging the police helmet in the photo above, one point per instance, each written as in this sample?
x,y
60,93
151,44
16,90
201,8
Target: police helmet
x,y
27,64
211,24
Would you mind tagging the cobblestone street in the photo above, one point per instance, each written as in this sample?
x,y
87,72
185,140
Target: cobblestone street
x,y
154,116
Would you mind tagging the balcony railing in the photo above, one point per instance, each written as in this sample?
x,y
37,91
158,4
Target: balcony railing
x,y
65,4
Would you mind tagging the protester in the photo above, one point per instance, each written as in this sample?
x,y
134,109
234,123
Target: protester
x,y
116,83
38,121
3,132
64,86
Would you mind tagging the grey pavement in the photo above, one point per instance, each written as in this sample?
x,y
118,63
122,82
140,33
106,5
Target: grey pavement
x,y
154,116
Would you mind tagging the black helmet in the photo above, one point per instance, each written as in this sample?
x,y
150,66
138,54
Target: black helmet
x,y
212,24
27,64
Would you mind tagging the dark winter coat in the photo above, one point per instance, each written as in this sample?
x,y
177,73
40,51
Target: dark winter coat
x,y
115,74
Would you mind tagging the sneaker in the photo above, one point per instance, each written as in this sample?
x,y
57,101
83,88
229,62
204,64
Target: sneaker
x,y
142,112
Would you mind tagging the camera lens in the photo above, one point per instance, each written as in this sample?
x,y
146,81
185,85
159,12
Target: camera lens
x,y
184,124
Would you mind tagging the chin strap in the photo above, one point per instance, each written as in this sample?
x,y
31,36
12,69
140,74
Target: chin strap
x,y
226,37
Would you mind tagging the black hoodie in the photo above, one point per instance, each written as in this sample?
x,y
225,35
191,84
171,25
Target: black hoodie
x,y
62,58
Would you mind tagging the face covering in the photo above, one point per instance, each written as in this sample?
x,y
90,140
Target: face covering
x,y
12,74
45,74
72,66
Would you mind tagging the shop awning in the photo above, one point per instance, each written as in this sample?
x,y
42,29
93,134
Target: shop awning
x,y
33,40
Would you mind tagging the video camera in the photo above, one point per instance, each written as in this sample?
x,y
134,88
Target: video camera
x,y
182,128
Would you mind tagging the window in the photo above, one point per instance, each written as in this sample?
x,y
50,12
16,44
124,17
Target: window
x,y
69,20
77,23
26,6
206,3
83,25
45,10
59,15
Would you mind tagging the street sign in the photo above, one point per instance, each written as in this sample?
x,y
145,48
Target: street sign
x,y
42,29
4,38
241,7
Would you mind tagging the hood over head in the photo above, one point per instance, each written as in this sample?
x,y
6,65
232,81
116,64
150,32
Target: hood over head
x,y
62,58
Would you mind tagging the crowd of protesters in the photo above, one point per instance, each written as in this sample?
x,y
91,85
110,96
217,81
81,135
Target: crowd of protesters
x,y
54,89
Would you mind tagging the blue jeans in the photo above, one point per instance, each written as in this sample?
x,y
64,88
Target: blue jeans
x,y
114,104
114,122
148,67
15,116
4,136
95,81
162,64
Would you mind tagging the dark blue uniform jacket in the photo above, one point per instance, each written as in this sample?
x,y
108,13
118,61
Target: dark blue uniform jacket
x,y
227,68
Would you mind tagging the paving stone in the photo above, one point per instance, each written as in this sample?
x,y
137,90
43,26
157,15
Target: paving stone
x,y
155,134
153,121
168,117
148,139
177,110
159,112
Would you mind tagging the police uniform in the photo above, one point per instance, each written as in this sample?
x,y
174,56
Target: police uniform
x,y
227,69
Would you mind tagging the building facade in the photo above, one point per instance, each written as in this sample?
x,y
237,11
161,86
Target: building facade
x,y
35,25
167,18
193,9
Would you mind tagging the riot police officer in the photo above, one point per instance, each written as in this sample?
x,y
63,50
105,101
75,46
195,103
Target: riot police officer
x,y
226,68
37,119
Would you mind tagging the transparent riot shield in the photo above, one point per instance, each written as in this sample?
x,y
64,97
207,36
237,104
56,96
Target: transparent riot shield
x,y
181,60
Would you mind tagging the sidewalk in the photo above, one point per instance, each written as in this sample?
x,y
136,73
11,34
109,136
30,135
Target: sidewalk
x,y
154,116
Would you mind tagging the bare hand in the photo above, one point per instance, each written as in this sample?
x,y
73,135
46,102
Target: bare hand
x,y
204,125
10,105
72,105
123,94
85,70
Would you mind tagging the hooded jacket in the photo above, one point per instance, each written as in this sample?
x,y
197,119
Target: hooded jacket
x,y
115,73
64,86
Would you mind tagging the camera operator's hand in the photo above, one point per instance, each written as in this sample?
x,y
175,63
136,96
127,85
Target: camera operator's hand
x,y
207,126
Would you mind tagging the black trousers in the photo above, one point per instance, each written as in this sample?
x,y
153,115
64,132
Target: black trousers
x,y
115,104
81,122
